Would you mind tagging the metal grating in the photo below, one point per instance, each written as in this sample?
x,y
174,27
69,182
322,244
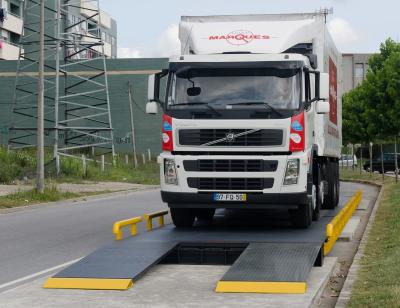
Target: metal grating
x,y
230,183
231,165
274,263
241,137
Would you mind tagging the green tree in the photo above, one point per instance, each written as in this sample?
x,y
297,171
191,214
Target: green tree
x,y
354,119
372,110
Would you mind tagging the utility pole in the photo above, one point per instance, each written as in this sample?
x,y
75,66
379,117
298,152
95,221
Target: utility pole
x,y
57,85
135,162
40,107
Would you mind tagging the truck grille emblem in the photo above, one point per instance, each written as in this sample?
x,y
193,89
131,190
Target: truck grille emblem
x,y
230,137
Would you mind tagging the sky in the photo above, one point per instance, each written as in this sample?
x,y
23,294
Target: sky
x,y
150,28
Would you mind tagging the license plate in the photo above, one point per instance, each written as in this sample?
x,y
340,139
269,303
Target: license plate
x,y
230,197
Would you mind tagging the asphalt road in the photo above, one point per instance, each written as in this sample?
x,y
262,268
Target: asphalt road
x,y
36,239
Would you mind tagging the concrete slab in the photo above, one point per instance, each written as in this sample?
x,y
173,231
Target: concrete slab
x,y
364,204
350,229
168,286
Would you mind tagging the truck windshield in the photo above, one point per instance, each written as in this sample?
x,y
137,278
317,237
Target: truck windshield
x,y
272,91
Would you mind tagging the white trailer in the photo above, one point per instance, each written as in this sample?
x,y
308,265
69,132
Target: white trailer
x,y
251,117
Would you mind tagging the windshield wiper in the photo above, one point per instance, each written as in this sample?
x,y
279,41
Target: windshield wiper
x,y
266,105
198,103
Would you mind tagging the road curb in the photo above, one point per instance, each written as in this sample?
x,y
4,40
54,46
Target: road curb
x,y
317,298
363,182
345,293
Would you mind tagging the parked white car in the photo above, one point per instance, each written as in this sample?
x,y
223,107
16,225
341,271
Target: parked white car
x,y
348,160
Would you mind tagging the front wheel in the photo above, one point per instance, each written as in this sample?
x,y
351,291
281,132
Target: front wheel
x,y
205,214
302,217
182,217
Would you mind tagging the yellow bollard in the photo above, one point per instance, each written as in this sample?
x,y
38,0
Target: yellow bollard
x,y
117,228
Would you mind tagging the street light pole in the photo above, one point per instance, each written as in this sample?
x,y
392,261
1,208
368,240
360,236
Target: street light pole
x,y
40,107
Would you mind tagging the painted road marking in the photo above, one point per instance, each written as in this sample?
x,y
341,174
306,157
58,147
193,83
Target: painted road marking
x,y
20,281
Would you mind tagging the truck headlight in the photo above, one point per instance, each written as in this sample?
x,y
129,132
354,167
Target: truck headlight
x,y
292,172
170,175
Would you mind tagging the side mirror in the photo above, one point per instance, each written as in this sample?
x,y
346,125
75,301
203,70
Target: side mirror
x,y
324,86
322,107
193,91
150,88
151,107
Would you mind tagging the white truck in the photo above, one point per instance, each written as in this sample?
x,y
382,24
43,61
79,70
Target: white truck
x,y
251,117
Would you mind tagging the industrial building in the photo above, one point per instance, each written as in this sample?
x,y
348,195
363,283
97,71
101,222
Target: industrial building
x,y
120,73
11,25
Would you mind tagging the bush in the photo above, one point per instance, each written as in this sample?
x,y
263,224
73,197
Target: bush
x,y
16,164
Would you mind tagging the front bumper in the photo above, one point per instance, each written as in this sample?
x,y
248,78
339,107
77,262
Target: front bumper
x,y
254,200
185,194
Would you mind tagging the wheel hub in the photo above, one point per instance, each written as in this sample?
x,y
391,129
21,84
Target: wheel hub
x,y
321,192
313,197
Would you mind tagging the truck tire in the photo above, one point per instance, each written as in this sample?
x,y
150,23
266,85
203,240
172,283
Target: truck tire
x,y
182,217
302,217
205,214
330,197
337,193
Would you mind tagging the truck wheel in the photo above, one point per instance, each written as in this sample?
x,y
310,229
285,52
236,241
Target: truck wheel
x,y
205,214
302,217
182,217
337,194
329,200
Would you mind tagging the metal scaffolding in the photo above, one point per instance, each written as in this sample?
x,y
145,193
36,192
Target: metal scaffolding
x,y
77,105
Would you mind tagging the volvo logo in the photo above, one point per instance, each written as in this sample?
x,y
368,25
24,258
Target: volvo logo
x,y
230,137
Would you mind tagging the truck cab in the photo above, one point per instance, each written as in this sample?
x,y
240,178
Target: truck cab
x,y
245,129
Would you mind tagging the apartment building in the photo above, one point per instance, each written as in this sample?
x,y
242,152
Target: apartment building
x,y
11,27
103,23
355,67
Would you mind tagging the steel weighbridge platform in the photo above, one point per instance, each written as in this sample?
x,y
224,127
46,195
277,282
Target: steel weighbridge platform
x,y
272,259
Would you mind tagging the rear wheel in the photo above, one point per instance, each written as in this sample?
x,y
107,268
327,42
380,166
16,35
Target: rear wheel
x,y
302,217
182,217
330,198
337,182
205,214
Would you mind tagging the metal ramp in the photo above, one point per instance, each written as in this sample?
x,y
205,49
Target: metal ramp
x,y
270,268
118,265
272,260
114,267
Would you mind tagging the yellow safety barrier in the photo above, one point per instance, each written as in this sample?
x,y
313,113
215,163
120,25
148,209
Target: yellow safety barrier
x,y
117,228
335,227
149,219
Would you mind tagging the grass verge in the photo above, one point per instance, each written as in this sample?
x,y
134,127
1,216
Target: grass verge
x,y
377,283
71,172
50,194
21,165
